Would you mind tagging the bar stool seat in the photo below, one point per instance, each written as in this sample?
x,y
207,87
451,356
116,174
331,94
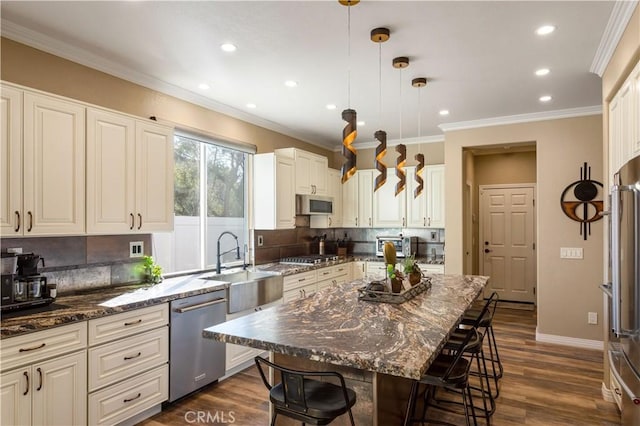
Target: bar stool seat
x,y
309,401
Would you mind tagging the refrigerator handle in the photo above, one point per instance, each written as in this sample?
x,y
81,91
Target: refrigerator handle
x,y
606,288
614,250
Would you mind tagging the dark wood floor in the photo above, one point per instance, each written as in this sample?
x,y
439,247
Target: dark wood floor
x,y
543,384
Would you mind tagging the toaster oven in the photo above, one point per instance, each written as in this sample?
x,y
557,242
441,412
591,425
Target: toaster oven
x,y
405,246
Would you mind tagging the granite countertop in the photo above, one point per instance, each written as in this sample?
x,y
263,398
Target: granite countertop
x,y
333,326
86,305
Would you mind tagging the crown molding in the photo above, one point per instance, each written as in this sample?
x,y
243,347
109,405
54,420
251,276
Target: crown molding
x,y
522,118
84,57
408,141
618,21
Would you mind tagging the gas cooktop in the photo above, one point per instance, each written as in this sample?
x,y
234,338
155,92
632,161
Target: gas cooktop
x,y
312,259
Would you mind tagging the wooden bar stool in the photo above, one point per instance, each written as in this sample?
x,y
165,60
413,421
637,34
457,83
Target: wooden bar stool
x,y
310,401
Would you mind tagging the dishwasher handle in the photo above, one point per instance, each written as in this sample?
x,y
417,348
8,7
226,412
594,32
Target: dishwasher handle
x,y
200,305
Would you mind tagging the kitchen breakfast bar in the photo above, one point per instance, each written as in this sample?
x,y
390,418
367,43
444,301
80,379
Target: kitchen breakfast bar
x,y
378,347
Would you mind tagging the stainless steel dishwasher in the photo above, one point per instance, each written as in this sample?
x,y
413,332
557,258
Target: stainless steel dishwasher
x,y
195,361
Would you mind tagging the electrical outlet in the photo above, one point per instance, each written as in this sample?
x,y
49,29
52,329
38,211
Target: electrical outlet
x,y
17,250
136,249
592,318
260,241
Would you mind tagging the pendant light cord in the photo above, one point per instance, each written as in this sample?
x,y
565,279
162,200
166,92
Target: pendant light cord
x,y
349,56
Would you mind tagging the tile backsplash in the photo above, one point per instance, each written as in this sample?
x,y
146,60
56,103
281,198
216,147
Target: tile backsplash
x,y
84,262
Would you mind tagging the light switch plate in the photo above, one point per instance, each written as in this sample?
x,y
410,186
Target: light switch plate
x,y
571,252
136,249
592,318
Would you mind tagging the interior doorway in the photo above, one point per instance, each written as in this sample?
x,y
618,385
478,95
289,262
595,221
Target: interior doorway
x,y
507,240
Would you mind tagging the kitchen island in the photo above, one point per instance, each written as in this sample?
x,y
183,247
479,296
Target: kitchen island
x,y
378,347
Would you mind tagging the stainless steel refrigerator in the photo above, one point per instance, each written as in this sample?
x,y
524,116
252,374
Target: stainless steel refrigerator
x,y
624,289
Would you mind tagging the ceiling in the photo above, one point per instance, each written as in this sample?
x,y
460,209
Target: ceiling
x,y
479,58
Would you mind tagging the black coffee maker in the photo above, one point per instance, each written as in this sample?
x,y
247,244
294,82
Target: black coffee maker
x,y
26,288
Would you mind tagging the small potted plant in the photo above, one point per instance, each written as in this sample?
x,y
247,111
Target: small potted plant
x,y
412,270
151,272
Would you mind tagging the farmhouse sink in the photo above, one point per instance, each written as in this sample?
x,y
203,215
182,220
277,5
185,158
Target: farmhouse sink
x,y
250,289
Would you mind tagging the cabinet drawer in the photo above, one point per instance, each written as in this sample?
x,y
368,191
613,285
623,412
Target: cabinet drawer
x,y
113,327
119,360
119,402
22,350
326,273
298,280
342,270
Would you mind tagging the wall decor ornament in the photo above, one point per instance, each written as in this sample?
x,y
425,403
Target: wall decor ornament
x,y
578,201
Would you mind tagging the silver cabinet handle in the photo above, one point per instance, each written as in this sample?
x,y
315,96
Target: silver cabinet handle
x,y
424,221
201,305
329,220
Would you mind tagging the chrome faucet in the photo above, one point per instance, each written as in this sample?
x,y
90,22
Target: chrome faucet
x,y
219,255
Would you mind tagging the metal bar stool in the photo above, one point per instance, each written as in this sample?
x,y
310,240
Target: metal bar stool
x,y
310,401
448,371
483,319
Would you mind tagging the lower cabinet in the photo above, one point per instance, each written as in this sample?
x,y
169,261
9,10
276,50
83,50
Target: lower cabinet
x,y
128,364
299,286
51,392
238,355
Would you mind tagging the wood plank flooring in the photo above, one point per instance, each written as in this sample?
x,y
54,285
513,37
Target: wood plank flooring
x,y
543,384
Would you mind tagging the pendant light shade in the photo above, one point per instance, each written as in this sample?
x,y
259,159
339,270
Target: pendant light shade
x,y
380,35
400,63
419,82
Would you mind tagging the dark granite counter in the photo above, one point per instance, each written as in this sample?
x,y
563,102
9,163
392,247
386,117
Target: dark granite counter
x,y
334,327
86,305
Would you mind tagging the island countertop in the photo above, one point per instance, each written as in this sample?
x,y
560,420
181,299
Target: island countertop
x,y
334,327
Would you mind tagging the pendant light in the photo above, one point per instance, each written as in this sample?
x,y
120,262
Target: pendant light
x,y
349,132
380,35
401,63
419,82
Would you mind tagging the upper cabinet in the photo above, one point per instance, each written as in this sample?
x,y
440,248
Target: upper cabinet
x,y
624,122
43,186
274,192
333,220
310,171
435,195
130,174
416,206
357,200
389,209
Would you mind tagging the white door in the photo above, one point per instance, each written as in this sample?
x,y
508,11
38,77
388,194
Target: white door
x,y
365,198
416,206
435,196
285,193
350,202
389,208
15,397
507,253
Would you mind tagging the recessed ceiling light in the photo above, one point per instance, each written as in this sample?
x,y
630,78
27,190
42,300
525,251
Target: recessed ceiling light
x,y
545,98
228,47
361,123
542,71
545,29
290,83
331,106
203,86
250,105
444,112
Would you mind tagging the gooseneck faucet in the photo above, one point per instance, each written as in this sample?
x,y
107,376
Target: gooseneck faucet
x,y
219,255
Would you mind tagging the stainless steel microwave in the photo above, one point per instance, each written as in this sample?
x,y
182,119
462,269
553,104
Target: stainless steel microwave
x,y
405,246
313,204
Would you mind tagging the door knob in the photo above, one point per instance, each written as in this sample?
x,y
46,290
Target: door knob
x,y
487,251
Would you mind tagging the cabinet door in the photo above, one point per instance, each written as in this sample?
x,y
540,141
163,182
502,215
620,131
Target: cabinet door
x,y
389,208
615,140
635,77
365,198
416,206
303,162
111,159
11,219
627,120
435,196
319,182
154,177
15,397
60,391
54,166
285,193
357,270
350,202
333,220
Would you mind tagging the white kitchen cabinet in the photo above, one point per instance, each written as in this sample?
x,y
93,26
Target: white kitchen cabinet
x,y
435,195
44,377
358,269
389,209
333,220
635,77
311,171
333,275
416,206
274,192
431,269
378,270
47,196
350,202
357,200
239,357
299,286
130,174
128,364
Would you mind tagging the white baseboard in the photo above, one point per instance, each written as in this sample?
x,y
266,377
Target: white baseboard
x,y
570,341
607,395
